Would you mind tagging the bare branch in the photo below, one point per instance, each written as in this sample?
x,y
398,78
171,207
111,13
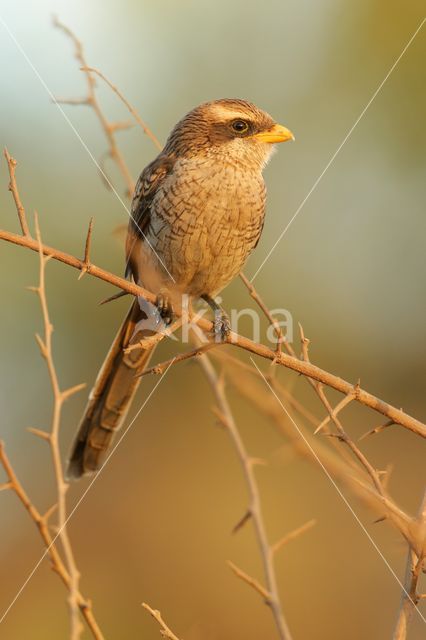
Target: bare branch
x,y
252,582
53,439
255,509
132,110
162,366
291,362
164,629
51,550
13,188
415,563
273,321
293,535
92,101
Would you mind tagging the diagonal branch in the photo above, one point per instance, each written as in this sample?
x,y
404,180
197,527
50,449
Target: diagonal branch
x,y
305,368
164,629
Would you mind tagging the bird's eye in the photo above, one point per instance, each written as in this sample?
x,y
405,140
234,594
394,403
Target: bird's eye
x,y
240,126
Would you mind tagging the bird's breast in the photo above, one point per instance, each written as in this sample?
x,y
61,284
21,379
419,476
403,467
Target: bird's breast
x,y
205,221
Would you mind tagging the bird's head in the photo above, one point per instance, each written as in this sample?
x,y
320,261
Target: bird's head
x,y
232,130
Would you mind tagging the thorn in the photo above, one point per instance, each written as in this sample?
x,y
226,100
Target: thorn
x,y
381,519
5,486
33,289
86,260
257,462
357,388
44,435
222,419
322,425
292,535
88,241
338,436
250,581
303,338
42,345
49,512
67,393
121,126
120,294
381,427
240,524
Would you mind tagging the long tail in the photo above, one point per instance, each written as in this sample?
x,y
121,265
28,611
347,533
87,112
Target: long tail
x,y
110,398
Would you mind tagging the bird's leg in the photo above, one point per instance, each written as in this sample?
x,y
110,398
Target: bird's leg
x,y
164,305
221,323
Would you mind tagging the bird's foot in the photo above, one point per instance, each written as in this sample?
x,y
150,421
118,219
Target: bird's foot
x,y
164,305
221,325
221,322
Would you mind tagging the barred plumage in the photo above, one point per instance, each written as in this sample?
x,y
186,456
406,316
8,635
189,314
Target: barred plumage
x,y
197,214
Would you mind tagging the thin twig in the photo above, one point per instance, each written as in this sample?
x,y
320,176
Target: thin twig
x,y
319,389
259,301
132,110
293,535
333,416
270,593
13,188
187,355
91,100
410,598
252,582
41,522
165,631
305,368
61,486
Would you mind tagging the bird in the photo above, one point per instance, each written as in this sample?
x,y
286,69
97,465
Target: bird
x,y
197,213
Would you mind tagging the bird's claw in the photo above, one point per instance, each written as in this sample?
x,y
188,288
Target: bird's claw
x,y
165,306
221,325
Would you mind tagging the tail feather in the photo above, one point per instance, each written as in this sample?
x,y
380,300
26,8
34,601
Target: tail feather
x,y
110,398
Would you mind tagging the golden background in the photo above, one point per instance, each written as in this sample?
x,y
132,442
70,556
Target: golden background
x,y
156,525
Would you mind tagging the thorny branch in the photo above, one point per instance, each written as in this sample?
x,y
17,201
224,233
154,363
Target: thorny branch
x,y
342,466
415,564
132,110
417,542
396,416
13,188
305,368
67,569
109,128
254,512
59,397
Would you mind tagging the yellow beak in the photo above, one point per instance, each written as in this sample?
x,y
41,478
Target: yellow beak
x,y
277,133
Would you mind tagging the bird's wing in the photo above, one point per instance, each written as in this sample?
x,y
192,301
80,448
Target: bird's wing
x,y
149,181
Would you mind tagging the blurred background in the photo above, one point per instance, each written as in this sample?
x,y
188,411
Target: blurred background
x,y
156,526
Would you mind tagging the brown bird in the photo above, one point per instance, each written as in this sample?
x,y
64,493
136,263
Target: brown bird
x,y
197,213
